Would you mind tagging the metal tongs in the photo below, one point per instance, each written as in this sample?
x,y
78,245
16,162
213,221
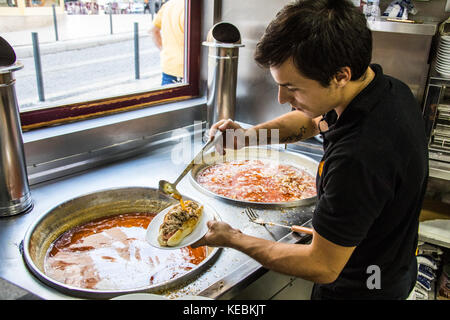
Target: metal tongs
x,y
170,188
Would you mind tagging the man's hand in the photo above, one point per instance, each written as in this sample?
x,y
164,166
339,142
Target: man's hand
x,y
223,125
231,129
321,261
220,234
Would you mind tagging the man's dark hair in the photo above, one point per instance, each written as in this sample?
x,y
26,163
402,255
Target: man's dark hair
x,y
321,36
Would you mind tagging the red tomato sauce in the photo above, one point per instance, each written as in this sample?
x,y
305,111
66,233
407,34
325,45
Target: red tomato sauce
x,y
111,253
258,181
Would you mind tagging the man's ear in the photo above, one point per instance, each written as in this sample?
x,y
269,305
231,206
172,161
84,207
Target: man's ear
x,y
342,77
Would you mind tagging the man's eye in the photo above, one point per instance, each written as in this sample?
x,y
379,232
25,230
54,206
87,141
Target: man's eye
x,y
292,89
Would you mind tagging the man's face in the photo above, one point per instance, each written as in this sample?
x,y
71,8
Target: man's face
x,y
302,93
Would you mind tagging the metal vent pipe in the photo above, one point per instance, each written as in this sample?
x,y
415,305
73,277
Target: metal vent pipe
x,y
15,195
224,41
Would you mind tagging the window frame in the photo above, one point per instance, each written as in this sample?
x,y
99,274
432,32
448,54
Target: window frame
x,y
34,119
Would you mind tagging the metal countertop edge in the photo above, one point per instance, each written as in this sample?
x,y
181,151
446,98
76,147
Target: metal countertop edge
x,y
228,287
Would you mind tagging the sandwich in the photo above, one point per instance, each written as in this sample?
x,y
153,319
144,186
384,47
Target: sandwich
x,y
179,222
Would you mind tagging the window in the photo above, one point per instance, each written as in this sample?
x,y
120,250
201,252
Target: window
x,y
94,77
8,3
41,3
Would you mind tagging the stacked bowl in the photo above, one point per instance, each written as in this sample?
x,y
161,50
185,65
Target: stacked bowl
x,y
443,57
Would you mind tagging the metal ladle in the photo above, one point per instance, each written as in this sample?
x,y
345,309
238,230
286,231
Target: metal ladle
x,y
170,188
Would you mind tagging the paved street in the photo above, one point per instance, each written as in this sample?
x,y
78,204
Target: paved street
x,y
89,73
79,27
87,62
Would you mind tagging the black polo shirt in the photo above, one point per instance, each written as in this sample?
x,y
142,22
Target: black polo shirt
x,y
371,183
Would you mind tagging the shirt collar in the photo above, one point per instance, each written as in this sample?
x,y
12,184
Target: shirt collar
x,y
361,105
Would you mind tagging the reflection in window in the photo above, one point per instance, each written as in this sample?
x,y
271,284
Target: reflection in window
x,y
105,51
8,3
168,36
41,3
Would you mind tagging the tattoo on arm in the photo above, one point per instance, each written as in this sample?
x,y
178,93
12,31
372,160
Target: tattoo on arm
x,y
295,137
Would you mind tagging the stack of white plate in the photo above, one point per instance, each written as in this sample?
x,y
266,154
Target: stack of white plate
x,y
443,57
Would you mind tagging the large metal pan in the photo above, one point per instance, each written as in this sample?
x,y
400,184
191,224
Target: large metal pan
x,y
284,157
48,227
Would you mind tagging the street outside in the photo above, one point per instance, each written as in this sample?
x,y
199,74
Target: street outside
x,y
75,68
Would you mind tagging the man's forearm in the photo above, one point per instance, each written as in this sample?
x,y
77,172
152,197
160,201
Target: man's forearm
x,y
292,259
292,127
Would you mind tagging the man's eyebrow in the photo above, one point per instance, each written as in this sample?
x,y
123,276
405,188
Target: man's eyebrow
x,y
287,84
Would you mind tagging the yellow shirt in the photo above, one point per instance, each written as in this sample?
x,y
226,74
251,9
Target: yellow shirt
x,y
170,19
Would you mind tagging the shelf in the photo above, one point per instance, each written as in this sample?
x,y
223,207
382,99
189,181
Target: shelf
x,y
435,232
425,29
439,173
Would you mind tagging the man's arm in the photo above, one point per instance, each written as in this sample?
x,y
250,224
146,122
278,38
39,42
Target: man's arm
x,y
321,261
292,126
155,32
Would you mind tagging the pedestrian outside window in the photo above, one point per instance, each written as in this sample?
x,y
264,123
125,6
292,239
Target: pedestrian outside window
x,y
41,3
8,3
90,59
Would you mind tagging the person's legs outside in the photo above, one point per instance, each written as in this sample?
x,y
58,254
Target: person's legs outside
x,y
168,79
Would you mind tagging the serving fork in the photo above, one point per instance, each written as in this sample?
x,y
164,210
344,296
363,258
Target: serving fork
x,y
254,217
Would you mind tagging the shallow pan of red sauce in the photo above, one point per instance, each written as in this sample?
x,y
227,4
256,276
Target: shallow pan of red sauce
x,y
111,254
263,181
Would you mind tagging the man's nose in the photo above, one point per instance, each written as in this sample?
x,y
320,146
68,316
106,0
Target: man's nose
x,y
283,95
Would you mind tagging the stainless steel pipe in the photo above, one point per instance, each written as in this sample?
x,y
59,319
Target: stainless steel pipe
x,y
15,195
224,41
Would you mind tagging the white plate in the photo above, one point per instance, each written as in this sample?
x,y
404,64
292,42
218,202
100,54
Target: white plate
x,y
140,296
443,55
443,45
443,63
443,51
200,230
193,298
443,69
445,74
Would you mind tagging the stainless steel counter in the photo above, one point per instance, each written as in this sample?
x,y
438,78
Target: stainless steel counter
x,y
232,270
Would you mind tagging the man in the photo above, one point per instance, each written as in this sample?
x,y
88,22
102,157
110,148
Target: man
x,y
372,178
147,6
168,35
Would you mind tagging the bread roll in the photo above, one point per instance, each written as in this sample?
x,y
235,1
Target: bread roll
x,y
178,223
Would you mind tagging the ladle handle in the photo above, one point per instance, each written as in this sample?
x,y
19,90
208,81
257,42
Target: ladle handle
x,y
206,147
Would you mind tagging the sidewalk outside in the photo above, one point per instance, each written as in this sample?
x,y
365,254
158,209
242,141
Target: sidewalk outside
x,y
77,32
80,32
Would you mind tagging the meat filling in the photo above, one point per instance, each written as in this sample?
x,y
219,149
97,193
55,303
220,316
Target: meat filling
x,y
177,216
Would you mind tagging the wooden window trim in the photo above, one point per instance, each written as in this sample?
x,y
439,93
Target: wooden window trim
x,y
84,110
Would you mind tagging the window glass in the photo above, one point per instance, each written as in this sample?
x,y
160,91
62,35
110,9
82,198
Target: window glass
x,y
85,52
8,3
41,3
